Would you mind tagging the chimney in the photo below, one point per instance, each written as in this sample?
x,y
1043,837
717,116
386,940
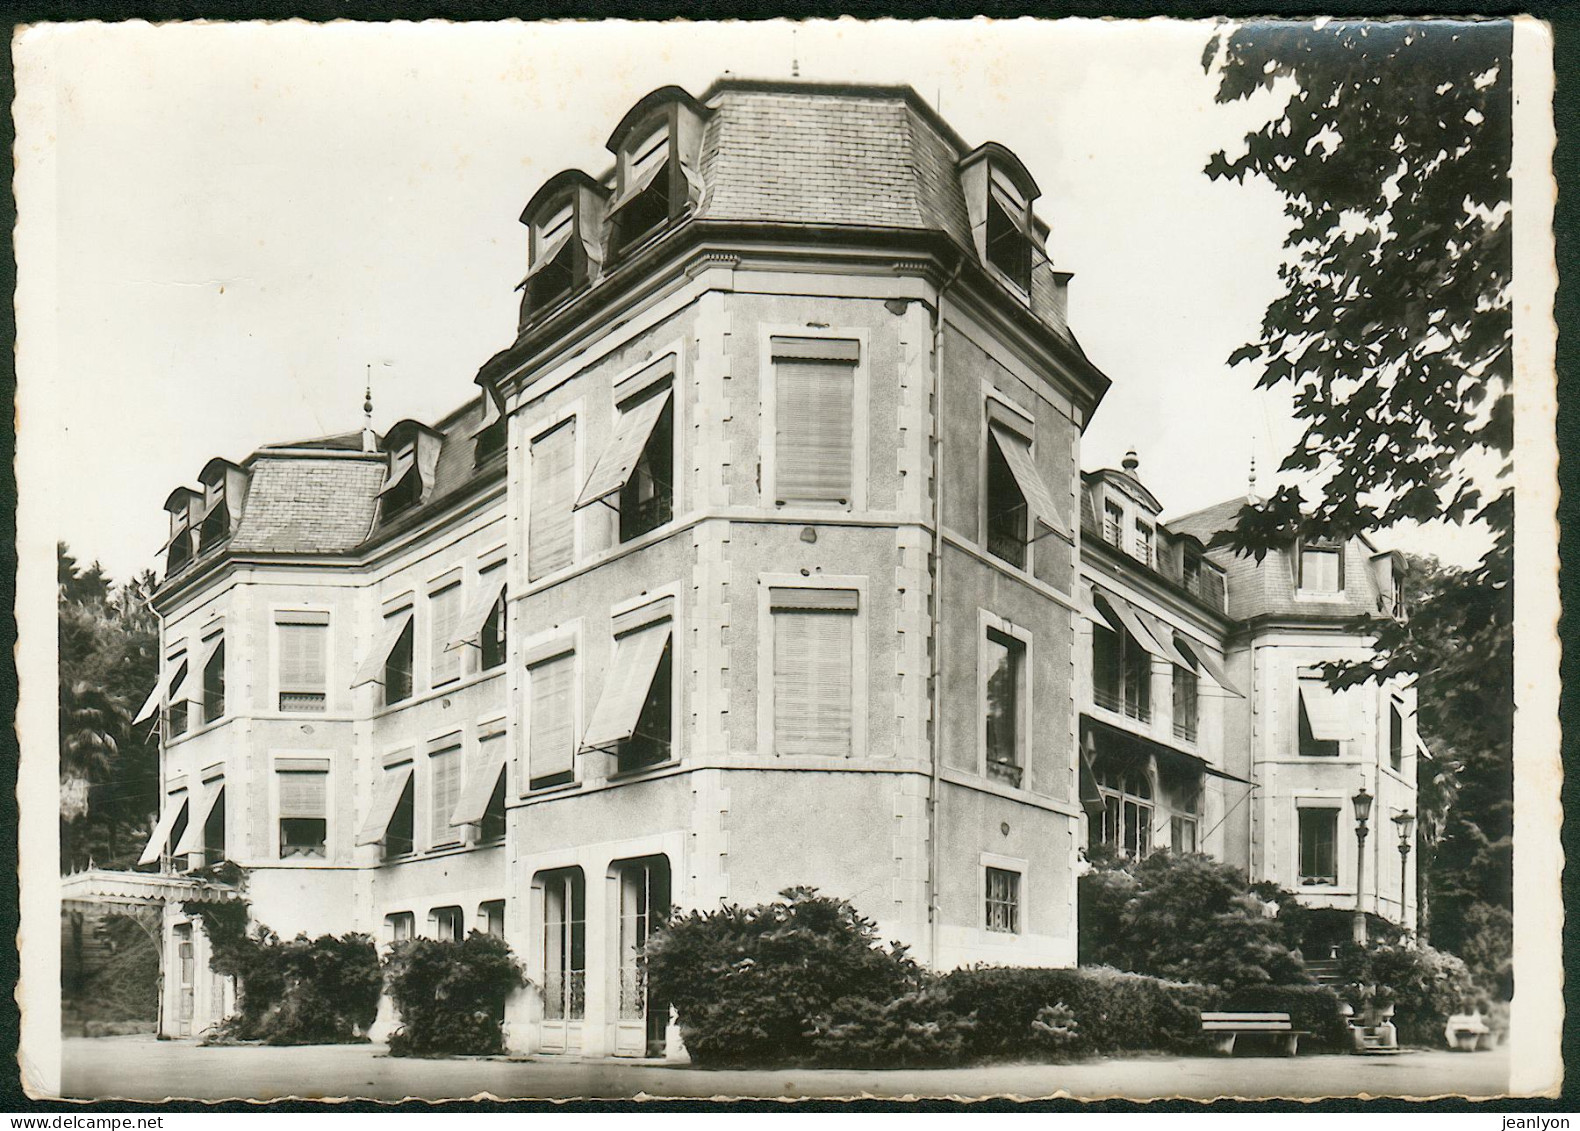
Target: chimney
x,y
1130,462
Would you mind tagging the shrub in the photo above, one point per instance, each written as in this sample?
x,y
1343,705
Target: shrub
x,y
1425,986
1315,1009
297,992
748,983
1055,1028
1488,949
914,1030
451,995
1116,1011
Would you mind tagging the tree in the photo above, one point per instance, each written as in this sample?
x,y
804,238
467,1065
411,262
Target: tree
x,y
109,770
1394,333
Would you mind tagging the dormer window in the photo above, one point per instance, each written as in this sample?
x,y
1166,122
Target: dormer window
x,y
565,219
553,272
224,485
644,203
185,507
489,436
413,458
1009,239
1319,567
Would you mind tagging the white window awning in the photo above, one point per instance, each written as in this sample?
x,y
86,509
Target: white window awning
x,y
624,451
1130,623
210,646
547,256
175,805
1327,713
469,629
1017,453
1164,635
493,411
394,784
372,669
625,689
1214,670
400,467
471,806
1086,606
192,839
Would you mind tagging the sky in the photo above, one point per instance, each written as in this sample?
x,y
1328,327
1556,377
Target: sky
x,y
223,226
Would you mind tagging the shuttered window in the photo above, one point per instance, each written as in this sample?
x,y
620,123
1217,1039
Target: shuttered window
x,y
550,530
444,611
1319,830
304,808
445,766
814,643
814,412
551,721
303,643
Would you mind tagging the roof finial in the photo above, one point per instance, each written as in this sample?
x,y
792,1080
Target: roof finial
x,y
1130,463
795,62
368,443
1250,490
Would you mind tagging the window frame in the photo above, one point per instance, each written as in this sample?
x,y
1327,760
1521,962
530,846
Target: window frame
x,y
1145,535
1020,869
556,644
1192,732
301,762
629,528
324,619
1307,745
568,416
451,749
214,695
1395,735
1022,225
1333,808
768,393
444,664
1319,546
1023,539
1123,801
860,661
1017,640
1113,523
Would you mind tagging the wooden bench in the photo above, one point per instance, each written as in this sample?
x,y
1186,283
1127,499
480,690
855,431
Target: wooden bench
x,y
1223,1028
1467,1032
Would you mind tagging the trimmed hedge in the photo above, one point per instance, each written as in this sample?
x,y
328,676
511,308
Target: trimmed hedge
x,y
1113,1011
451,995
915,1030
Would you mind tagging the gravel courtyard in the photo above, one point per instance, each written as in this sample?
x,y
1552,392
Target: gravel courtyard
x,y
143,1068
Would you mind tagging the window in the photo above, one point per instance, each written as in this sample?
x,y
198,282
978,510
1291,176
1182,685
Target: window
x,y
1121,673
1321,718
647,499
644,904
1144,550
551,721
1127,810
176,711
645,203
302,640
402,493
551,524
400,834
1397,606
444,610
1319,830
180,552
649,744
813,670
1004,662
1190,570
214,680
814,421
398,666
1003,901
214,830
216,525
564,945
492,913
1320,569
400,926
553,274
1006,509
1395,737
1186,686
304,800
1009,245
492,643
444,768
1113,523
1182,834
489,443
448,925
178,832
492,827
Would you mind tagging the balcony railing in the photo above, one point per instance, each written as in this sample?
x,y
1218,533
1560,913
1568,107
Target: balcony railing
x,y
1114,699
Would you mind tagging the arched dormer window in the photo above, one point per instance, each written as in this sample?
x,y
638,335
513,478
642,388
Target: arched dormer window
x,y
489,436
564,219
656,147
185,507
999,192
224,490
413,451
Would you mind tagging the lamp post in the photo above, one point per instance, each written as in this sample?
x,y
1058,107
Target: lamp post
x,y
1363,810
1405,823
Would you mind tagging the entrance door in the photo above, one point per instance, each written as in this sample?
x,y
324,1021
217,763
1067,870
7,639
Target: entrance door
x,y
186,973
564,960
644,897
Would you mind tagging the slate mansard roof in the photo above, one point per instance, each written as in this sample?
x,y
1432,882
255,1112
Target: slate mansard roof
x,y
772,153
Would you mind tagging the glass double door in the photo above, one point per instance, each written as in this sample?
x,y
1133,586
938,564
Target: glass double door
x,y
643,902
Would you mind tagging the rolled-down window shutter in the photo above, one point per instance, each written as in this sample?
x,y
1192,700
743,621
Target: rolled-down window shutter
x,y
813,676
446,791
550,530
551,722
814,431
444,609
304,794
302,656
